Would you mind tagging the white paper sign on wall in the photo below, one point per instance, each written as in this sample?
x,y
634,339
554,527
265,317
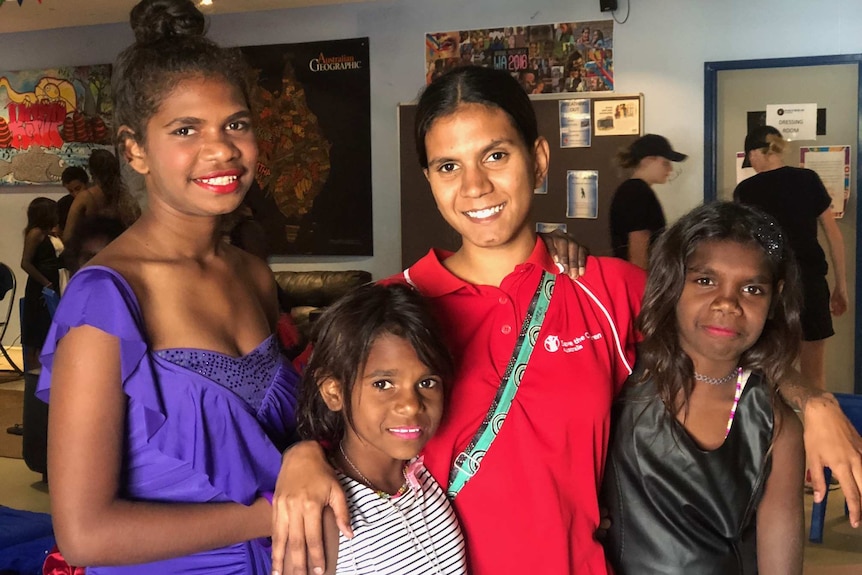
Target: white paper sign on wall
x,y
794,121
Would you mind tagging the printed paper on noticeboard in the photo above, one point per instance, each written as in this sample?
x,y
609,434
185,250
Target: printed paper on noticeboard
x,y
575,124
582,194
617,117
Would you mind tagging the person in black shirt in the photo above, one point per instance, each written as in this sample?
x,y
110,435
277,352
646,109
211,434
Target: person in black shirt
x,y
636,216
798,200
75,180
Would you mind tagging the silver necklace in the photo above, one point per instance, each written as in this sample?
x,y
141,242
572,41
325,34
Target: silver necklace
x,y
707,379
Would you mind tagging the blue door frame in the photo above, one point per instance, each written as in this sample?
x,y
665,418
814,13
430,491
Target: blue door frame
x,y
710,160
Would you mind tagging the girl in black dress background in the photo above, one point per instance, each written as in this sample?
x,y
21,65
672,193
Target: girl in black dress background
x,y
41,262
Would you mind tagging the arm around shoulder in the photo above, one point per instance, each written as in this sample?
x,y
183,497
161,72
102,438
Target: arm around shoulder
x,y
830,440
306,487
780,515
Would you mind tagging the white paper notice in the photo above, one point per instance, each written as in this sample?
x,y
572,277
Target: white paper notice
x,y
832,164
794,121
617,117
582,194
575,125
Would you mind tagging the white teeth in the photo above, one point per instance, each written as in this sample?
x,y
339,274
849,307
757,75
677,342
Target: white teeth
x,y
220,181
486,213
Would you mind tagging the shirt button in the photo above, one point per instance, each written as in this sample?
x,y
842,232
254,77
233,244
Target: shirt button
x,y
504,300
507,329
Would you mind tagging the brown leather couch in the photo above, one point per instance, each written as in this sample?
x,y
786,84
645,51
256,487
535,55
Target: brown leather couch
x,y
305,294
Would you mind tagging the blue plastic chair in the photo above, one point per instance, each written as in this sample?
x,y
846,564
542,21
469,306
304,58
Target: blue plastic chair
x,y
852,407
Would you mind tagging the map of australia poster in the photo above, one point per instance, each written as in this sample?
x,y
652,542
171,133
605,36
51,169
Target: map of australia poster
x,y
313,184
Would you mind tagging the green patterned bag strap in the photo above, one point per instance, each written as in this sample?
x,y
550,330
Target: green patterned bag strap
x,y
467,463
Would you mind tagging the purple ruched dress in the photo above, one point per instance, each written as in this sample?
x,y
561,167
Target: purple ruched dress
x,y
201,426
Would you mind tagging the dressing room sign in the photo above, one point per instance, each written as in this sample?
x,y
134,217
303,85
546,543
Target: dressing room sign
x,y
794,121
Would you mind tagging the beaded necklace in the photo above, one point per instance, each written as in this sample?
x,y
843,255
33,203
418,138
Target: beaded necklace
x,y
380,493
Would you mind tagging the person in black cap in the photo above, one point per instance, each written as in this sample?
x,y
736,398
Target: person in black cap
x,y
636,215
798,200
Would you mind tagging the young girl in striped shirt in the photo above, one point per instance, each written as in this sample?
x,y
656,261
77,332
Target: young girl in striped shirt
x,y
373,394
705,463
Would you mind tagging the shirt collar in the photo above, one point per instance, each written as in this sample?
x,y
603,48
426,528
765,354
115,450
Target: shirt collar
x,y
432,279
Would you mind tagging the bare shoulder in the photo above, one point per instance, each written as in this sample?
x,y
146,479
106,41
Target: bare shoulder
x,y
121,255
258,269
35,235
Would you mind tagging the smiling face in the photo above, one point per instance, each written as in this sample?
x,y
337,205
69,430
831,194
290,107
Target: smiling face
x,y
724,304
482,176
200,151
396,406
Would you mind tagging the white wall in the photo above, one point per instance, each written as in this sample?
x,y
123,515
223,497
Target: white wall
x,y
660,52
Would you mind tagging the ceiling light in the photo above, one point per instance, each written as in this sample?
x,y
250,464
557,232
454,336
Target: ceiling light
x,y
206,2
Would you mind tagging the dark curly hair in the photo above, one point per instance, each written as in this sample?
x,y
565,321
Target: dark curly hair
x,y
660,353
170,45
342,338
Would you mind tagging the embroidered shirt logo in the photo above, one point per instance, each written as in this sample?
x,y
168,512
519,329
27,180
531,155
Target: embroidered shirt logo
x,y
553,343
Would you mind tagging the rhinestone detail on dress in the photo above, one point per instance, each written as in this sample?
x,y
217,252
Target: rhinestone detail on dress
x,y
248,376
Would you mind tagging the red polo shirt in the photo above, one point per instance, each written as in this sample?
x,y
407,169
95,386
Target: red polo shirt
x,y
533,505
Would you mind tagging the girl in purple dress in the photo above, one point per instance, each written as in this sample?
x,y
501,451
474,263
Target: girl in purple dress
x,y
168,414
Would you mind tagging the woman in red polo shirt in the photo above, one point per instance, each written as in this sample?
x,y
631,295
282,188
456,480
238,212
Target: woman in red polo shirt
x,y
522,445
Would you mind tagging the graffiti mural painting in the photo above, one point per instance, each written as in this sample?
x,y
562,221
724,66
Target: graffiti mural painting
x,y
51,119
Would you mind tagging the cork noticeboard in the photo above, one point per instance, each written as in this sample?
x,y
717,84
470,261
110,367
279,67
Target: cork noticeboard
x,y
422,226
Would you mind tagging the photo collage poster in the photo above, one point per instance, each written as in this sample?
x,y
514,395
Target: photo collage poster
x,y
545,59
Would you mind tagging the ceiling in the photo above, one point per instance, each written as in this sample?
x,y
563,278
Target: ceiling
x,y
32,15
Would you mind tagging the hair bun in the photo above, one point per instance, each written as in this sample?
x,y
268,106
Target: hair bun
x,y
156,20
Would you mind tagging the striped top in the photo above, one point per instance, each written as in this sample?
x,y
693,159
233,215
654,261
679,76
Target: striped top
x,y
415,533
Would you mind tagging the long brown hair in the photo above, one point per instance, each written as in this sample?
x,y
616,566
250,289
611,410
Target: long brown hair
x,y
660,353
343,337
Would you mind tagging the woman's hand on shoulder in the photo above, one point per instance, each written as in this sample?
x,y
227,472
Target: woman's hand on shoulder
x,y
832,441
306,486
569,255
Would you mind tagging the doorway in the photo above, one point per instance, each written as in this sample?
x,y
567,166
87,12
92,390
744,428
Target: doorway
x,y
735,92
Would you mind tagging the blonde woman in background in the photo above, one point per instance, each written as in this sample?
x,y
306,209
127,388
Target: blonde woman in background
x,y
798,200
636,216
